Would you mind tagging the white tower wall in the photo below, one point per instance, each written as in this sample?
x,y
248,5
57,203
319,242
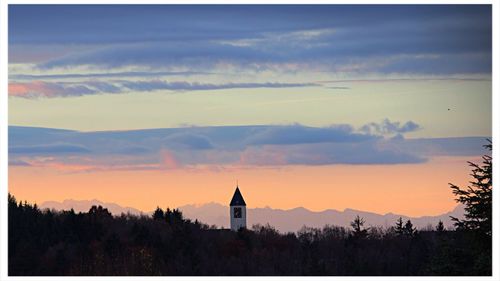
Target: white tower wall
x,y
237,223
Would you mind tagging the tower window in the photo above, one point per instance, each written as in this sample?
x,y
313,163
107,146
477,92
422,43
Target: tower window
x,y
237,213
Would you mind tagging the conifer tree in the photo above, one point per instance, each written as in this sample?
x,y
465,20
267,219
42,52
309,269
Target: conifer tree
x,y
158,214
477,197
358,229
440,227
399,229
409,230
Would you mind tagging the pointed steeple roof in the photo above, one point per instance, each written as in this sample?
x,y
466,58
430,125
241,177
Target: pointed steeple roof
x,y
237,199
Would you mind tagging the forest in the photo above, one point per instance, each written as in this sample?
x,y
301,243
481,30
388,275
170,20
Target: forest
x,y
95,243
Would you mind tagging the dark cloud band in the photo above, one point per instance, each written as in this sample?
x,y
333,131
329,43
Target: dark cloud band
x,y
233,145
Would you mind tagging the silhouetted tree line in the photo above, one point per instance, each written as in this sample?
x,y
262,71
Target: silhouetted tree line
x,y
45,242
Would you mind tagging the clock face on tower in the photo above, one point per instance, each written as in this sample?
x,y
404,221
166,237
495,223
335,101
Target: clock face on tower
x,y
237,213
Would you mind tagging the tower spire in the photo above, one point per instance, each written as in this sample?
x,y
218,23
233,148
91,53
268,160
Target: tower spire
x,y
237,210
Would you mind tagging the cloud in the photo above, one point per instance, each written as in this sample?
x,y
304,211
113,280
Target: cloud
x,y
386,127
131,150
169,160
348,55
146,23
359,153
37,89
463,146
122,74
188,141
69,167
41,89
263,156
395,38
226,146
422,79
104,87
18,162
364,153
298,134
57,148
194,86
161,54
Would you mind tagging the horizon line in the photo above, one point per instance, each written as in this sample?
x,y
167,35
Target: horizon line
x,y
197,205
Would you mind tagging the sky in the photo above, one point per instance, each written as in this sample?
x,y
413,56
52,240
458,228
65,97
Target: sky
x,y
371,107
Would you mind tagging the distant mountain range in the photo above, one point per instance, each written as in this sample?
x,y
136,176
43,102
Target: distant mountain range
x,y
84,206
283,220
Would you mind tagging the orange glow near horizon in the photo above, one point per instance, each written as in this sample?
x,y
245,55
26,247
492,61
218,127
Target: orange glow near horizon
x,y
409,189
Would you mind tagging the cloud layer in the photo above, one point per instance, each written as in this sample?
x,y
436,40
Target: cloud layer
x,y
382,38
231,146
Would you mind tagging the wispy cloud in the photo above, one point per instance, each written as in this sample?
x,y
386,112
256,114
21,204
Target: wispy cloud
x,y
388,79
386,127
193,86
38,89
126,74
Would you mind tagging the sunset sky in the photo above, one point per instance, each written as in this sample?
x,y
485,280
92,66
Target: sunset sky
x,y
375,108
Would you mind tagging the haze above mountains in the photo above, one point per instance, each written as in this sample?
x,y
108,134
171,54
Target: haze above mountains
x,y
290,220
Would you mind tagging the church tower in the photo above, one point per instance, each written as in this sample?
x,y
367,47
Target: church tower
x,y
238,211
